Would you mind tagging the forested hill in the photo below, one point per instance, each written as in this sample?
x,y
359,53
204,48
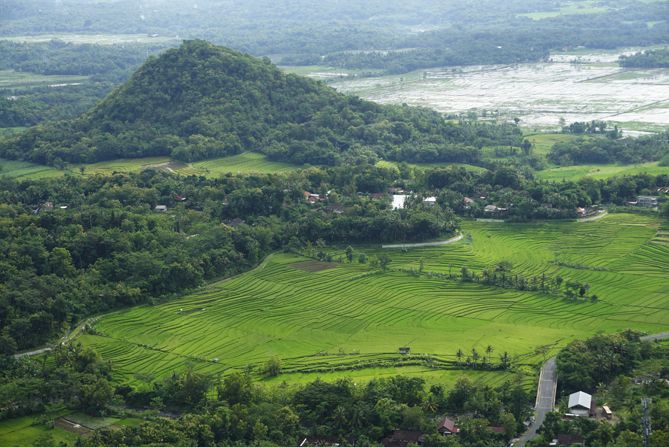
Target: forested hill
x,y
201,101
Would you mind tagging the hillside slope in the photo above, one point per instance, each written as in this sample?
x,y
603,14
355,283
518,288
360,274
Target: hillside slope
x,y
201,101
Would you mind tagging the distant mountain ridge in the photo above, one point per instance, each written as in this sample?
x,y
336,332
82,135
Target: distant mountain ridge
x,y
202,101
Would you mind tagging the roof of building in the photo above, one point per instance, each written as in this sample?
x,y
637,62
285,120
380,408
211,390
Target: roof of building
x,y
449,425
580,399
569,439
402,438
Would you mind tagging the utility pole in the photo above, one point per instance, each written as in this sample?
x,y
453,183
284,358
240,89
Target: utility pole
x,y
645,421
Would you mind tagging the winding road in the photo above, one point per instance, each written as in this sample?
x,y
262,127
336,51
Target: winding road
x,y
546,393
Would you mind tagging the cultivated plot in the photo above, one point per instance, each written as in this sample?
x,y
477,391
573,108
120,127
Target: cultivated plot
x,y
574,87
347,318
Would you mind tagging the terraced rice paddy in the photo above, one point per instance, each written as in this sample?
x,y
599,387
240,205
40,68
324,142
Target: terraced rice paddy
x,y
244,163
25,170
335,320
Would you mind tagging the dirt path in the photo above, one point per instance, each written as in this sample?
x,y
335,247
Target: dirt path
x,y
426,244
599,215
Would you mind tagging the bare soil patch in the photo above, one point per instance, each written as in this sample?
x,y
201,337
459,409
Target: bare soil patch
x,y
314,266
72,427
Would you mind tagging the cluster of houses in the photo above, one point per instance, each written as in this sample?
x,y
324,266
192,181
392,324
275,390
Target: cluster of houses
x,y
163,208
446,427
579,405
645,201
48,207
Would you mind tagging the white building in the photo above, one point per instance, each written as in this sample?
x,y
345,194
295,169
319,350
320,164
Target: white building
x,y
580,404
430,201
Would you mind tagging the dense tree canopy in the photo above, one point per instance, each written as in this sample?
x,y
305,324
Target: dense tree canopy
x,y
200,101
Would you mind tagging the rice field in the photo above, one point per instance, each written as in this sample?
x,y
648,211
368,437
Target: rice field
x,y
244,163
350,320
97,39
11,79
24,170
571,173
392,164
576,86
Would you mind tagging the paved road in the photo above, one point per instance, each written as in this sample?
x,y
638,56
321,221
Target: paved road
x,y
31,353
547,389
545,400
426,244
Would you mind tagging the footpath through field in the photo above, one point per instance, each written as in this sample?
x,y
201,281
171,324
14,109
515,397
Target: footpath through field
x,y
426,244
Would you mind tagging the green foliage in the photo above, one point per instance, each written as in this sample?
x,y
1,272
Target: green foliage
x,y
200,101
606,150
582,365
646,59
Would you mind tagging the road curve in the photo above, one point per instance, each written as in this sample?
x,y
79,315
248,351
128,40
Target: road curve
x,y
546,393
426,244
545,400
31,353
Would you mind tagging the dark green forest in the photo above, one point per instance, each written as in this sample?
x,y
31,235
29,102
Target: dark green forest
x,y
201,101
390,35
647,59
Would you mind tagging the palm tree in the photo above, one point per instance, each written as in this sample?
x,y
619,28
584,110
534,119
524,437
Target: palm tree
x,y
475,355
459,355
504,358
488,350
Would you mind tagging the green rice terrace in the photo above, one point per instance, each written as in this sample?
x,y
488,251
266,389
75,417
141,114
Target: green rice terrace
x,y
326,319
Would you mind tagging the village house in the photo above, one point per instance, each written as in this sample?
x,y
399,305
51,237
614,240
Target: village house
x,y
313,198
448,427
319,442
581,404
468,202
581,212
405,350
46,206
490,209
430,201
606,412
402,438
179,198
647,201
160,208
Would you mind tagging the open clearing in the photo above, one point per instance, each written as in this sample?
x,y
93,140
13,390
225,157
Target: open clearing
x,y
348,318
99,39
245,163
580,86
571,173
11,79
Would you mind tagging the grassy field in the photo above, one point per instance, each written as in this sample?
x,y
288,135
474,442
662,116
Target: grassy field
x,y
18,79
543,142
25,170
569,8
392,164
345,318
245,163
600,171
99,39
25,431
